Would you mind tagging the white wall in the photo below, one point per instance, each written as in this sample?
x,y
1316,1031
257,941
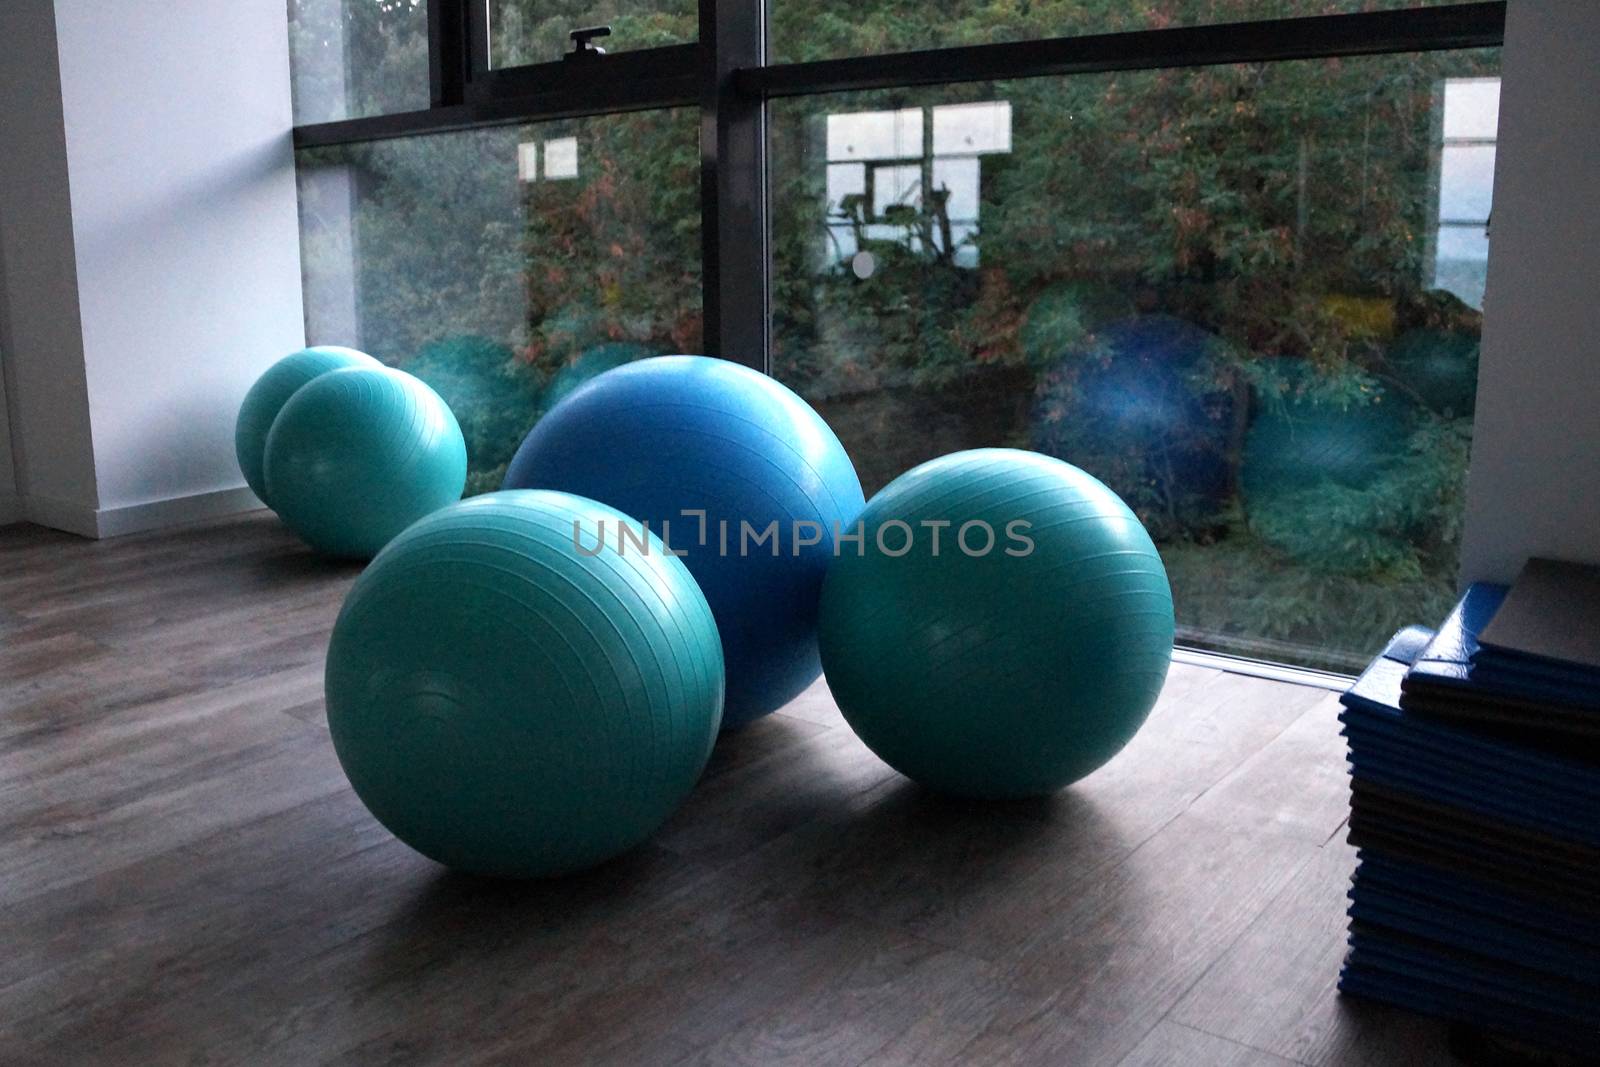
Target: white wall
x,y
39,338
177,120
10,505
1534,485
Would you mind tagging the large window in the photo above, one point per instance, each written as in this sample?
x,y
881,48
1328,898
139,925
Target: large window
x,y
1242,284
1210,288
828,29
504,265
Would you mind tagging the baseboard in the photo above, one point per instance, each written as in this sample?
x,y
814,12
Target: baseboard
x,y
85,521
58,514
174,511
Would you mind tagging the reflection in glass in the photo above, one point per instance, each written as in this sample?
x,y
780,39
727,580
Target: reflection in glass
x,y
507,266
881,162
1221,290
1469,124
959,129
561,158
875,134
1471,109
1466,180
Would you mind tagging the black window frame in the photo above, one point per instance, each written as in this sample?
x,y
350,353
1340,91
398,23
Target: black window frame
x,y
726,76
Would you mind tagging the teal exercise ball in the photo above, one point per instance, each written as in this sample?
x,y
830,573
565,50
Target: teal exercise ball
x,y
1003,629
508,704
359,454
273,390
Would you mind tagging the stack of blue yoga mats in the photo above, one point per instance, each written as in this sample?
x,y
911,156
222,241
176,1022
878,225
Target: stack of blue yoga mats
x,y
1475,810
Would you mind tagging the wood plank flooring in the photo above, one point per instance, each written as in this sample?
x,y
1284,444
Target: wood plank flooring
x,y
186,878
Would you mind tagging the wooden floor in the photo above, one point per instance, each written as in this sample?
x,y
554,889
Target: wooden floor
x,y
186,878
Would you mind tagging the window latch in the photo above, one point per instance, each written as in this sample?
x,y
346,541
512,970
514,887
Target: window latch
x,y
583,46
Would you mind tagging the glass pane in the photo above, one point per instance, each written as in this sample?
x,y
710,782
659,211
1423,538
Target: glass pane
x,y
535,31
353,58
1225,291
1468,125
1471,109
506,266
1461,262
1466,182
828,29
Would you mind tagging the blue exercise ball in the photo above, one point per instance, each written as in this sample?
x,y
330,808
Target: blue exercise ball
x,y
509,705
1004,628
668,435
273,390
359,454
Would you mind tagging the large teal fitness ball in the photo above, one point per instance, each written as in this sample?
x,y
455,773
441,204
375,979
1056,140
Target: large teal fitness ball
x,y
664,437
357,455
273,390
509,705
1005,628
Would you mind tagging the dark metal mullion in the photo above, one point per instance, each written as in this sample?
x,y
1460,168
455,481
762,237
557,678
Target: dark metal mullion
x,y
733,185
475,31
1426,29
448,57
645,65
1476,25
615,97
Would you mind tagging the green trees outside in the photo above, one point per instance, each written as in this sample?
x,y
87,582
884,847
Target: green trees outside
x,y
826,29
1211,287
535,31
352,58
492,281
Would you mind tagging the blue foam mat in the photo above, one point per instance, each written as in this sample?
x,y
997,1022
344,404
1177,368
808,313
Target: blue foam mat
x,y
1426,998
1463,893
1476,976
1514,793
1374,702
1447,664
1499,762
1501,941
1510,670
1565,819
1574,887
